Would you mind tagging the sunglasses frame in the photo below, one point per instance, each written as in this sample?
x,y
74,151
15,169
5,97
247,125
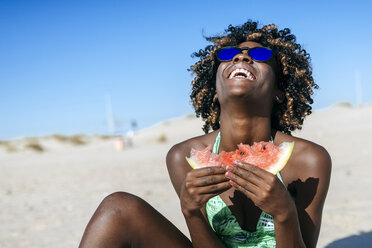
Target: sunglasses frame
x,y
241,49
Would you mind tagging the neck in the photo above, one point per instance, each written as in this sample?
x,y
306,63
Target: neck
x,y
243,128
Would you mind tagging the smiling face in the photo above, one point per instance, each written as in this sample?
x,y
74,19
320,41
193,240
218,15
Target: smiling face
x,y
255,93
247,79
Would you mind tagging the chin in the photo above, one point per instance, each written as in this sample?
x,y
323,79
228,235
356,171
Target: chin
x,y
239,95
240,90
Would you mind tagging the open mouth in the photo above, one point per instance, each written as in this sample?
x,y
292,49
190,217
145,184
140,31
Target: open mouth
x,y
242,73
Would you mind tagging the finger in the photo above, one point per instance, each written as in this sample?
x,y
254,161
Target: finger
x,y
215,188
246,192
252,168
206,171
243,183
247,175
208,180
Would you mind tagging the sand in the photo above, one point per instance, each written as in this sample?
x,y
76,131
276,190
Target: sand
x,y
48,197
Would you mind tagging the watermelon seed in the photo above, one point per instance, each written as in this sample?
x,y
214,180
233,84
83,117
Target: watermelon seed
x,y
242,153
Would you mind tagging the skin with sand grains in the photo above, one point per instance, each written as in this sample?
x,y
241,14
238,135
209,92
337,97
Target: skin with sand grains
x,y
245,107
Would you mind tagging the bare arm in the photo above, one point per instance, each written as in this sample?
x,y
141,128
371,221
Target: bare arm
x,y
195,188
310,191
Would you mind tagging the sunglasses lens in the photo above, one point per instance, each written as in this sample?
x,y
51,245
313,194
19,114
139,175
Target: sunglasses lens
x,y
228,53
260,53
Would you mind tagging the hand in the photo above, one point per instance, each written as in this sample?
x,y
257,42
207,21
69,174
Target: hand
x,y
200,185
262,187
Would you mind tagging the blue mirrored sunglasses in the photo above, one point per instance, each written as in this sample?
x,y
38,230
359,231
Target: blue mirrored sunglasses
x,y
259,54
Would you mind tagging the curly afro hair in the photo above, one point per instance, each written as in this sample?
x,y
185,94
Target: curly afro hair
x,y
294,75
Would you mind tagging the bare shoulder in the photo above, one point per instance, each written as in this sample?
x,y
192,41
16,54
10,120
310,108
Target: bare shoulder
x,y
176,162
307,177
308,159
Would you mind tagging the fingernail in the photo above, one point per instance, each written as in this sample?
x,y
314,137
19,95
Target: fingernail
x,y
236,162
229,168
228,174
232,182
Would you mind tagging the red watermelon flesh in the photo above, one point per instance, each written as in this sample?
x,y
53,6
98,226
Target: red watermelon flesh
x,y
265,155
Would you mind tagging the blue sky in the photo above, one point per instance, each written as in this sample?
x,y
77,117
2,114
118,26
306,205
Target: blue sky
x,y
59,59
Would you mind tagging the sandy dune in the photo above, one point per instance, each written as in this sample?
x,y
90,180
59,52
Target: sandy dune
x,y
48,197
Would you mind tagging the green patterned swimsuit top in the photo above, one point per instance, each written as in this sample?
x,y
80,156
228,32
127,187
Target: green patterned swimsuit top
x,y
227,228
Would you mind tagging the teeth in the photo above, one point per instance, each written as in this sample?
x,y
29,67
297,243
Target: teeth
x,y
239,71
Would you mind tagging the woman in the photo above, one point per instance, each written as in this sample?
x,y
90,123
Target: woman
x,y
253,84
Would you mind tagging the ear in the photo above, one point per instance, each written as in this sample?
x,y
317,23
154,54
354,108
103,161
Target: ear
x,y
215,98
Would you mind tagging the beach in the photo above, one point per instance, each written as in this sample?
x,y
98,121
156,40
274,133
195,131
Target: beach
x,y
51,186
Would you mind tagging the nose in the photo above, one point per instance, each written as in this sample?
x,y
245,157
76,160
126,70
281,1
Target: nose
x,y
242,57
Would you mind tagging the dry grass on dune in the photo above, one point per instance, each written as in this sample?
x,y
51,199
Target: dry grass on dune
x,y
77,139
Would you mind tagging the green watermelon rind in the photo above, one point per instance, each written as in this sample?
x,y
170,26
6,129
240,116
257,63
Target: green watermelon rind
x,y
191,163
286,147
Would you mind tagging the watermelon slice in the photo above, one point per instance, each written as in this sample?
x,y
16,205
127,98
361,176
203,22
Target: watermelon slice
x,y
265,155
